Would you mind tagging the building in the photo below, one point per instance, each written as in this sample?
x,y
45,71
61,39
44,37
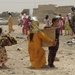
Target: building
x,y
50,10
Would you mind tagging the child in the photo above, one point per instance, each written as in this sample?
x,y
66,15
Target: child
x,y
3,54
53,49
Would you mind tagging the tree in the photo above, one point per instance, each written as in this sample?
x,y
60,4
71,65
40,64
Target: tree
x,y
5,14
25,11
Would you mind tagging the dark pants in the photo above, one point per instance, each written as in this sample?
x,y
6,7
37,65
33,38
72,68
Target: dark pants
x,y
73,28
52,54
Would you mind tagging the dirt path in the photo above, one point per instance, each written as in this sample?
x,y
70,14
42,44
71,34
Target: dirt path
x,y
19,63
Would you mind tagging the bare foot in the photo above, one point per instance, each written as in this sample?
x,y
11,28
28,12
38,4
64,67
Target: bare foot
x,y
56,59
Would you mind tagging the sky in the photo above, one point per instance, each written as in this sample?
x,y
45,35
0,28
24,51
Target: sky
x,y
19,5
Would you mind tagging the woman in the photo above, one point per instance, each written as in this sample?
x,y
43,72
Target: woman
x,y
10,24
36,52
53,49
25,28
67,26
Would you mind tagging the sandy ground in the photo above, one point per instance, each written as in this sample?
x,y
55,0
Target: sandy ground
x,y
19,63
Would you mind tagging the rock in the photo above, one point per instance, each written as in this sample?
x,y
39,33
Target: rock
x,y
19,49
21,58
13,72
20,37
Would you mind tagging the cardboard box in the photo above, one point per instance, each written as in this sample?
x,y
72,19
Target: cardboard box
x,y
50,32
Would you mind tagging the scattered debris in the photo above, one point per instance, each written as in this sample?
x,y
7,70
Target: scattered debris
x,y
71,41
19,49
20,37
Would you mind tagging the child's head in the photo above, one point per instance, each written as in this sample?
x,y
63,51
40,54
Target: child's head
x,y
55,21
46,17
0,30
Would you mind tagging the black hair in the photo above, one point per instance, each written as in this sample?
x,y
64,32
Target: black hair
x,y
46,17
54,19
59,14
31,36
9,14
0,30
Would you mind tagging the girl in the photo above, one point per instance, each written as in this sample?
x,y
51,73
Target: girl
x,y
36,52
53,49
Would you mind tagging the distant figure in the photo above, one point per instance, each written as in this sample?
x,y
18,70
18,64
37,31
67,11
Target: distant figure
x,y
10,23
61,25
67,26
20,22
29,21
25,28
73,23
47,21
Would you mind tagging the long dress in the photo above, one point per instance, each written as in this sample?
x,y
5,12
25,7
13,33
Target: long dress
x,y
25,28
3,53
10,24
67,28
36,52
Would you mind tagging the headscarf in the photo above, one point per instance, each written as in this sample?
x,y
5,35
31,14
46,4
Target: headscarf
x,y
34,27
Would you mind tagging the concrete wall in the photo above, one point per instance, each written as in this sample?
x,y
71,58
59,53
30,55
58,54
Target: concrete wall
x,y
64,10
43,10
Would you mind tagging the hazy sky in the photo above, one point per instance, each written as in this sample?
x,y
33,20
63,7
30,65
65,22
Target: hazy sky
x,y
19,5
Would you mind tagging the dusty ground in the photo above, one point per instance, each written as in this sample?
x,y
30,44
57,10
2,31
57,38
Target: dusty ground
x,y
19,63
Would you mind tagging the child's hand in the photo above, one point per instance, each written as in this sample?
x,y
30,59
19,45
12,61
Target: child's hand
x,y
54,43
